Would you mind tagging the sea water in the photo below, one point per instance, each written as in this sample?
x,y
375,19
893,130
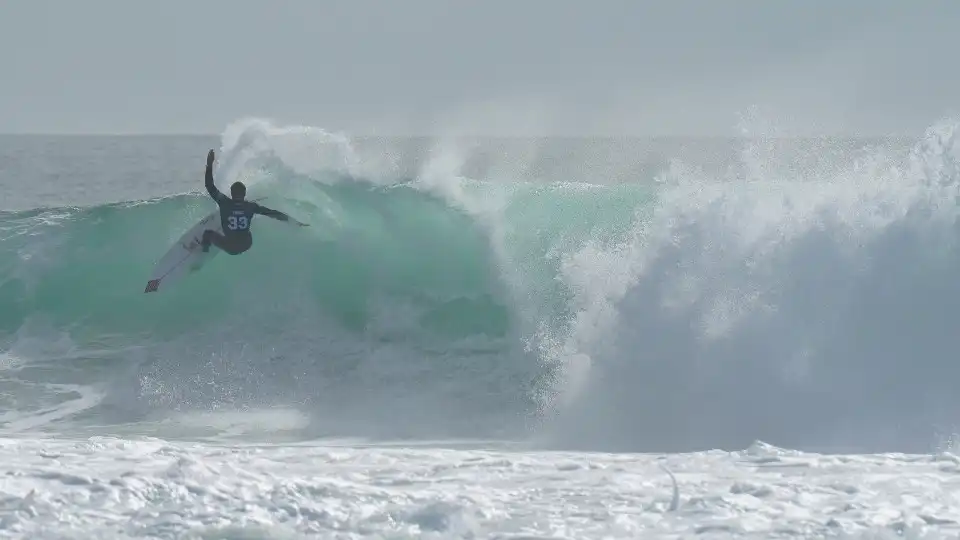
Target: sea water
x,y
482,338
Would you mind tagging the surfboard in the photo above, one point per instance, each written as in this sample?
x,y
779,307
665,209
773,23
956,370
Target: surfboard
x,y
185,255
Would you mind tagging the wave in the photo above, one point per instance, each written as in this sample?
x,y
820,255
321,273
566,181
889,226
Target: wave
x,y
803,303
807,306
401,311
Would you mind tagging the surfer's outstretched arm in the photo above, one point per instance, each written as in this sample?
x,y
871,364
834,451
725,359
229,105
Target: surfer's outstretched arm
x,y
276,214
208,179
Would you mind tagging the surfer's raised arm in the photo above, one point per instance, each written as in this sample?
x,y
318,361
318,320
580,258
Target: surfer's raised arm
x,y
208,179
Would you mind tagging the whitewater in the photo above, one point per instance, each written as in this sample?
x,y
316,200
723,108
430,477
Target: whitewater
x,y
483,338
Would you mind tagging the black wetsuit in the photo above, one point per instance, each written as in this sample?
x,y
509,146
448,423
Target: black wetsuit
x,y
235,219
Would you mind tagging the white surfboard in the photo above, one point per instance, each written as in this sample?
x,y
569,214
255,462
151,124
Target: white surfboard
x,y
185,255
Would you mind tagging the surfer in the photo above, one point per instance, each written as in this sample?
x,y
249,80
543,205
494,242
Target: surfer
x,y
236,213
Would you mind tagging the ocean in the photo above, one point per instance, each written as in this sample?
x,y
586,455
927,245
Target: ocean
x,y
748,337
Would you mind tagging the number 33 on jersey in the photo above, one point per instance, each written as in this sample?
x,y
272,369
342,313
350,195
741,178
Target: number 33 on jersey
x,y
238,223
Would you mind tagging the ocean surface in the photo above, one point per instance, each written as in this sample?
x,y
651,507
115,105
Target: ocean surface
x,y
483,338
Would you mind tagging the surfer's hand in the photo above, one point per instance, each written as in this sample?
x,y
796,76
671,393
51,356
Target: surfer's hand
x,y
210,157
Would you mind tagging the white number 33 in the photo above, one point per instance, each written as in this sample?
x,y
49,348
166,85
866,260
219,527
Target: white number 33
x,y
238,222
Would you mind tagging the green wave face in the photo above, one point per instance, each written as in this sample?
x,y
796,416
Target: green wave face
x,y
395,289
85,268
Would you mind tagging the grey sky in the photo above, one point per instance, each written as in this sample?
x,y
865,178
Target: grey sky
x,y
491,67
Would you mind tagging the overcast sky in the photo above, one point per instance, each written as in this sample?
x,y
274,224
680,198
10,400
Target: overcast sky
x,y
491,66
